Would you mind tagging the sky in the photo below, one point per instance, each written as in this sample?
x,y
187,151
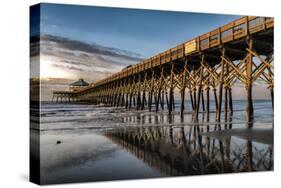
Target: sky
x,y
93,42
143,31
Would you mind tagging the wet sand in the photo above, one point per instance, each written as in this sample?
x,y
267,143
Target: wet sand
x,y
264,136
88,143
87,155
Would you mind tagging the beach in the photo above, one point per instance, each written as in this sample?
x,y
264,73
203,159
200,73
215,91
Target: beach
x,y
80,142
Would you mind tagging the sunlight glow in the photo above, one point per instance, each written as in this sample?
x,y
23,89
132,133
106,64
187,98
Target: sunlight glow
x,y
48,70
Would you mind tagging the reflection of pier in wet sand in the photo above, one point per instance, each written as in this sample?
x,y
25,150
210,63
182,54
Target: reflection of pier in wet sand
x,y
197,149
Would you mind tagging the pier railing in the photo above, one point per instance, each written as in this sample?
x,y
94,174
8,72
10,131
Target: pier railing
x,y
235,30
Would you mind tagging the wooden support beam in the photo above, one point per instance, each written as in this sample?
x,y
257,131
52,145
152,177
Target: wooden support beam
x,y
162,99
127,100
199,93
183,86
130,100
144,92
155,97
226,91
194,99
221,87
170,107
173,101
271,88
182,100
159,89
151,91
203,101
208,101
123,98
225,105
134,100
272,97
191,99
117,100
249,105
143,100
139,93
230,101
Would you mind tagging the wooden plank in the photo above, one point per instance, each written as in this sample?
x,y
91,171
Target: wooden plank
x,y
215,37
240,31
227,35
146,64
157,60
251,17
174,53
153,61
190,46
162,58
240,21
256,25
167,56
180,51
269,22
227,27
205,36
204,43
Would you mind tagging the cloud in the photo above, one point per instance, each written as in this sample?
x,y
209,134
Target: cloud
x,y
72,55
66,59
74,45
71,62
67,67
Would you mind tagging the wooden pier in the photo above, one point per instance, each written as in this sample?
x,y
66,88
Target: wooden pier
x,y
240,51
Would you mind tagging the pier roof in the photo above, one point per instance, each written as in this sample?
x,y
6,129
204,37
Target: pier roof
x,y
80,82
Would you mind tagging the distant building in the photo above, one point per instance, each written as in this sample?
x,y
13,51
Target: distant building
x,y
78,85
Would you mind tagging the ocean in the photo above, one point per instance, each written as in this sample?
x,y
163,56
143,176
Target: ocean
x,y
80,142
